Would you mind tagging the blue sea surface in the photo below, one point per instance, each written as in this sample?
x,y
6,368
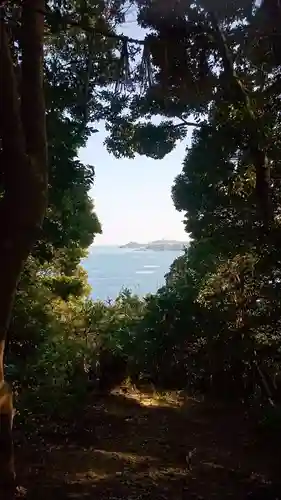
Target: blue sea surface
x,y
111,268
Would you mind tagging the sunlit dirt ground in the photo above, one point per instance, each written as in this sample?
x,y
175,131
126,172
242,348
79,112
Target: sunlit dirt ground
x,y
142,445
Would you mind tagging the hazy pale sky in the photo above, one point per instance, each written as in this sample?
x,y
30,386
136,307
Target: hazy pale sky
x,y
133,197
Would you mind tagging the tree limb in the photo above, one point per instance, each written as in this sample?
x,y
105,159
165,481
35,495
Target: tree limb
x,y
188,123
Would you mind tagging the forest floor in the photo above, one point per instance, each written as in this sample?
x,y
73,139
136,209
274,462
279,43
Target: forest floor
x,y
135,446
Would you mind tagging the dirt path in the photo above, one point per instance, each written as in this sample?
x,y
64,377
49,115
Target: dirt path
x,y
135,446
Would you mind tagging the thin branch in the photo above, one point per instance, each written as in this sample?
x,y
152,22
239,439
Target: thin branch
x,y
188,123
67,21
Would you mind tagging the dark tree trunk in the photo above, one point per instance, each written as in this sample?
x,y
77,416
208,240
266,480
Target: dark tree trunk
x,y
23,168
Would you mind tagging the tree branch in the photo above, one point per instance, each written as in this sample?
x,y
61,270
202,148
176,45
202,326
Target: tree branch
x,y
188,123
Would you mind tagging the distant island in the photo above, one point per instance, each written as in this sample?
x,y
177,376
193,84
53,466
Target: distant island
x,y
158,245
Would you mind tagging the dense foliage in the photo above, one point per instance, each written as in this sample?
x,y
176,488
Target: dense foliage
x,y
53,284
215,325
217,318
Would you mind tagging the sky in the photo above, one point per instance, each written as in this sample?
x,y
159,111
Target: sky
x,y
133,197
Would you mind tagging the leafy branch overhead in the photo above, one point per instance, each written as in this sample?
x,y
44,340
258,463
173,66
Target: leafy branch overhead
x,y
203,63
192,64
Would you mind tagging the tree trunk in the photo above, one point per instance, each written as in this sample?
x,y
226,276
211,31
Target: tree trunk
x,y
23,168
7,475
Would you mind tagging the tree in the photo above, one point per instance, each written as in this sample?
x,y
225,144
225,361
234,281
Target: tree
x,y
24,181
202,56
23,147
217,63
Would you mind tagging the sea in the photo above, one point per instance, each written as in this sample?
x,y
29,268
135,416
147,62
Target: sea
x,y
111,269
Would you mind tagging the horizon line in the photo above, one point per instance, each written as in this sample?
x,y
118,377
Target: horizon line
x,y
113,244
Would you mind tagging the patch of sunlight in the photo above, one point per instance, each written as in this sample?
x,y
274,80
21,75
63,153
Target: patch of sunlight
x,y
109,464
169,471
151,398
157,475
213,465
129,457
91,475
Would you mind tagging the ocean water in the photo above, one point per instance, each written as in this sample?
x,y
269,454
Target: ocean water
x,y
111,268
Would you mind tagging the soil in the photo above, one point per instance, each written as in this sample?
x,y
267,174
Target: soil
x,y
141,445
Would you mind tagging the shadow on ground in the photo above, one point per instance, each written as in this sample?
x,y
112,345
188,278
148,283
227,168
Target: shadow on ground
x,y
137,446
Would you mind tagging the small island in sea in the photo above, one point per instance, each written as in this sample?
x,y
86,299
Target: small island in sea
x,y
158,245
